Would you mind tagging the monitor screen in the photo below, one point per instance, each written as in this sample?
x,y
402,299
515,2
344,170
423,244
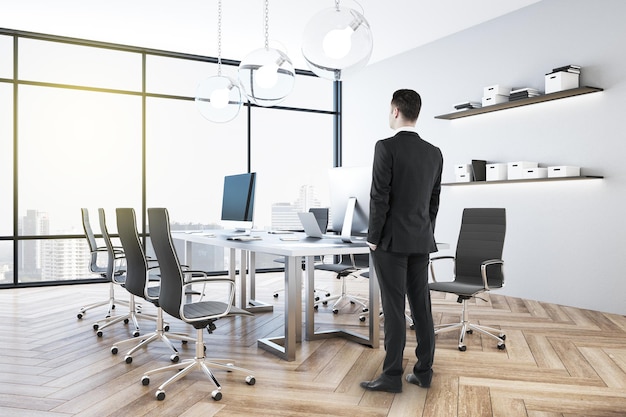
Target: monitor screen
x,y
238,197
350,185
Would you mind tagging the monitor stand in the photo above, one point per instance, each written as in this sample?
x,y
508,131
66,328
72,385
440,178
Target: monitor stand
x,y
346,229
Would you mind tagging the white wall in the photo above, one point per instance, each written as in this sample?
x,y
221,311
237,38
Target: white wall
x,y
566,241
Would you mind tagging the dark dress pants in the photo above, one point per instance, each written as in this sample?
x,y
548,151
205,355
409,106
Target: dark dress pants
x,y
401,275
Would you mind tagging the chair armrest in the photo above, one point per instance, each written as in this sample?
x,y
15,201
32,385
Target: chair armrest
x,y
431,263
206,280
483,270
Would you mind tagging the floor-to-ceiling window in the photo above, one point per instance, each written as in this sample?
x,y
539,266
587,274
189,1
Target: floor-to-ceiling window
x,y
100,125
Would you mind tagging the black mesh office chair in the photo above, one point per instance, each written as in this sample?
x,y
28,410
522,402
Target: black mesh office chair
x,y
349,265
321,215
200,314
142,281
477,267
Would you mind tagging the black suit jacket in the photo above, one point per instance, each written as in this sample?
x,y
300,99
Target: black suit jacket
x,y
404,197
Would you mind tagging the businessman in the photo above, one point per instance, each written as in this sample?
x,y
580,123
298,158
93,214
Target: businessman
x,y
404,200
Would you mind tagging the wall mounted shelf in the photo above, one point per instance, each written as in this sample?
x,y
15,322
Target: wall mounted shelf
x,y
586,177
517,103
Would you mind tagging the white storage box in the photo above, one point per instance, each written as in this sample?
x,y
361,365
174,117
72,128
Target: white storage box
x,y
496,172
515,170
535,173
497,89
463,168
563,171
559,81
467,177
489,101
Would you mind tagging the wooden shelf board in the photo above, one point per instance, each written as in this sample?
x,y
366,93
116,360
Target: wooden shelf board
x,y
586,177
517,103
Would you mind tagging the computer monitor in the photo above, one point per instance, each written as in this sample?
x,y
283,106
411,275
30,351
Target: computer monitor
x,y
238,201
350,200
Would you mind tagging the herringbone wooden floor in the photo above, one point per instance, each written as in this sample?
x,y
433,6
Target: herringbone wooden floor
x,y
559,361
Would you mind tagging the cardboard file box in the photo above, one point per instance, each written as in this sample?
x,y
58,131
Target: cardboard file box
x,y
489,101
563,171
559,81
515,170
493,90
466,177
496,172
535,173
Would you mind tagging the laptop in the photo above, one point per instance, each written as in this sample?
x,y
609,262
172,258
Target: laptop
x,y
311,226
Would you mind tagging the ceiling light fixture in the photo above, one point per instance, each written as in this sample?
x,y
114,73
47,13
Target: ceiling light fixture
x,y
218,98
337,42
266,75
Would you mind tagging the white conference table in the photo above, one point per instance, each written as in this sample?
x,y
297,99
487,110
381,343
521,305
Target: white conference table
x,y
293,252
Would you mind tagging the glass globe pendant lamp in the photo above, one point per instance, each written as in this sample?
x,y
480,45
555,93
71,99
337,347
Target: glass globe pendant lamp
x,y
218,98
337,42
266,75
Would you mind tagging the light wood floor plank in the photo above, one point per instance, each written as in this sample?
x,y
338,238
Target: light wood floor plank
x,y
559,362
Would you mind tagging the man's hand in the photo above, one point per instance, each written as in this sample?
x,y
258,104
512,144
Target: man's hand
x,y
372,246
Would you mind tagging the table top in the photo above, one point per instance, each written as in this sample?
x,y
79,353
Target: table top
x,y
272,243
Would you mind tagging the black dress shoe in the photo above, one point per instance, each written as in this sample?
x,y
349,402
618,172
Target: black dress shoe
x,y
383,384
421,380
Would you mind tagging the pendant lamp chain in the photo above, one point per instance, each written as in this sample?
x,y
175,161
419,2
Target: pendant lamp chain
x,y
267,24
219,38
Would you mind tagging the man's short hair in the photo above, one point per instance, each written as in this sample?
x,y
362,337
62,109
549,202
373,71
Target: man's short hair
x,y
408,102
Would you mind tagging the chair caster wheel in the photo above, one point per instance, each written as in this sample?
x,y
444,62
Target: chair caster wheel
x,y
412,327
462,348
174,358
316,299
469,331
128,359
136,333
145,380
275,295
160,395
166,328
502,336
325,303
114,350
361,318
184,342
126,321
96,326
79,316
365,309
501,346
99,334
216,395
327,294
250,380
335,311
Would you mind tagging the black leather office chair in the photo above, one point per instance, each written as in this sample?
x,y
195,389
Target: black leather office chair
x,y
477,267
98,266
349,265
200,314
117,272
106,262
142,281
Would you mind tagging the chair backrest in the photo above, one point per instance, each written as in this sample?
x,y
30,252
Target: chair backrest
x,y
136,261
321,215
481,238
112,258
91,241
169,265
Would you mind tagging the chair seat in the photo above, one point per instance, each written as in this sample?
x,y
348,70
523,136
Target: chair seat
x,y
210,308
458,288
